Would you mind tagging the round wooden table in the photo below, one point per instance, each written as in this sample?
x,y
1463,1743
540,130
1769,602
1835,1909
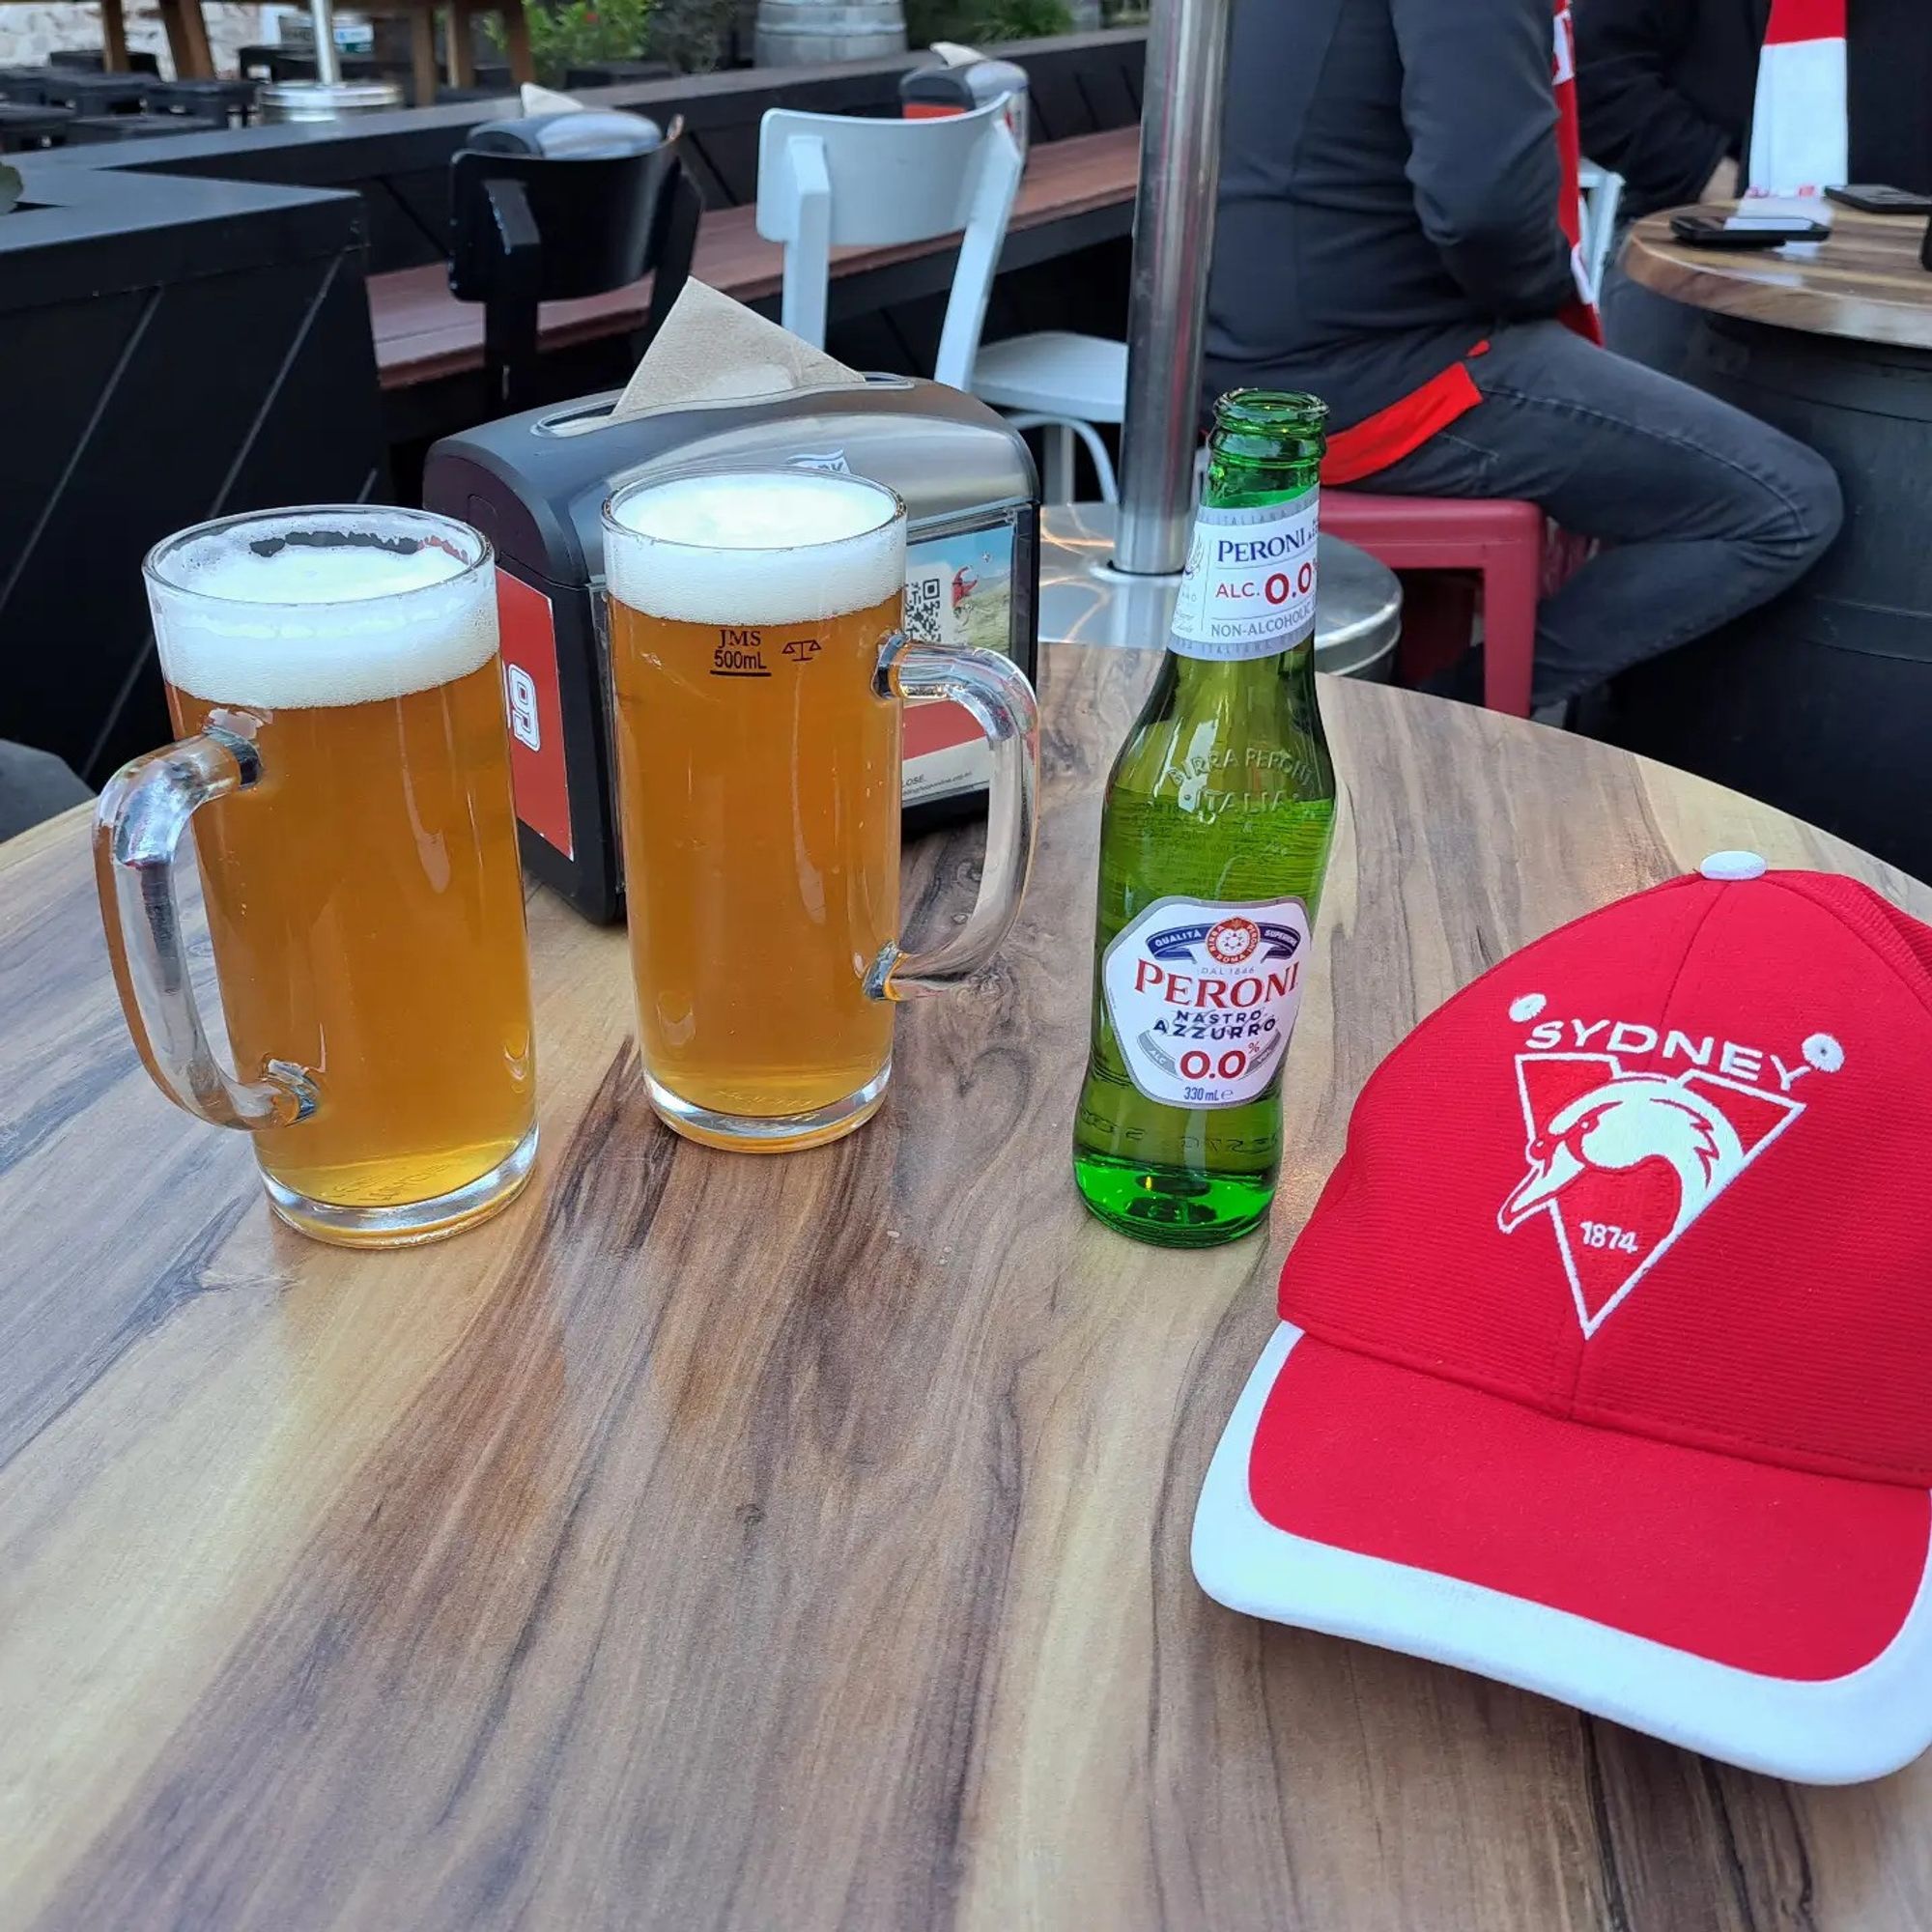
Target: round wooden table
x,y
1864,284
796,1544
1818,700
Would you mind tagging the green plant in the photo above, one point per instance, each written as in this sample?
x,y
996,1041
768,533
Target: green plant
x,y
9,188
982,22
929,20
692,35
1020,19
579,33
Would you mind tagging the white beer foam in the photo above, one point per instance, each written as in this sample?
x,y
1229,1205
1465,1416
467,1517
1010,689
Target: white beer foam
x,y
241,620
770,547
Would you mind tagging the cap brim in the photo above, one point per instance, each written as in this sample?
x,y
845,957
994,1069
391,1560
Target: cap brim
x,y
1776,1619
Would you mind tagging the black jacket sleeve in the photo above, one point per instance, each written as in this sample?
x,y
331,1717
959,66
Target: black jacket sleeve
x,y
1481,114
1634,118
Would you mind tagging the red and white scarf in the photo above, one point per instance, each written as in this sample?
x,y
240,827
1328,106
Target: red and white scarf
x,y
1798,141
1582,314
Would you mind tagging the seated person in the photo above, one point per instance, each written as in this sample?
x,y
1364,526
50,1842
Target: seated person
x,y
1667,92
34,786
1664,96
1391,236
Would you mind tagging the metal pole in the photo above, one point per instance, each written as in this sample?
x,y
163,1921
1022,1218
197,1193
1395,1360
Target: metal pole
x,y
1174,239
327,69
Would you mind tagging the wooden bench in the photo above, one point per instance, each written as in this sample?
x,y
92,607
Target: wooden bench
x,y
1076,192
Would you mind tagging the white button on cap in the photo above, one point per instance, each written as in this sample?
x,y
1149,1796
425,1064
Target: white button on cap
x,y
1734,865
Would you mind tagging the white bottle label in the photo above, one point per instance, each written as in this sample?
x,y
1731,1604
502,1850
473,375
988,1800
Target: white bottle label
x,y
1203,997
1249,587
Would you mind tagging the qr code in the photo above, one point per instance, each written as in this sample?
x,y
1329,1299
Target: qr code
x,y
927,605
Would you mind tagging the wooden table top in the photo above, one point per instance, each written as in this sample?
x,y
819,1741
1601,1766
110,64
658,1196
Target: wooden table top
x,y
422,332
800,1543
1864,282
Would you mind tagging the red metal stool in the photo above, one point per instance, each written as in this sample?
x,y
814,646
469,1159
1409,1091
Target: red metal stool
x,y
1503,540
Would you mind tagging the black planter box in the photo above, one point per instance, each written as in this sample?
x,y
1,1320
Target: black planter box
x,y
144,127
170,350
25,125
218,100
95,93
616,73
87,60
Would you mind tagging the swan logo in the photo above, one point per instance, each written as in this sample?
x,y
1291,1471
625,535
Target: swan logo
x,y
1622,1163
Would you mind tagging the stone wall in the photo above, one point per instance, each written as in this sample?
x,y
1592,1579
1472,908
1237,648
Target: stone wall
x,y
28,35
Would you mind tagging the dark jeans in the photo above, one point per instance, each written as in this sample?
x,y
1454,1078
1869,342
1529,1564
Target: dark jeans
x,y
1651,329
1706,512
34,786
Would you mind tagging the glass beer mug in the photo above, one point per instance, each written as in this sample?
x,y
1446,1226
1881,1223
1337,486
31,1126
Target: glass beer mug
x,y
757,667
344,761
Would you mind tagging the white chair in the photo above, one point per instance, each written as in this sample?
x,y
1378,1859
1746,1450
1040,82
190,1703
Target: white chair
x,y
1063,383
833,181
829,180
1602,192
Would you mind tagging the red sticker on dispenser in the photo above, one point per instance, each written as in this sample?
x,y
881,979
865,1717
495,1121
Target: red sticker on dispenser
x,y
538,771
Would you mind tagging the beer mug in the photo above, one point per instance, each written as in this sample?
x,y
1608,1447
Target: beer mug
x,y
345,762
757,667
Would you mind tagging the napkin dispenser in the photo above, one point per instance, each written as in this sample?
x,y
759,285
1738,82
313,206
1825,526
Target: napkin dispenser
x,y
535,483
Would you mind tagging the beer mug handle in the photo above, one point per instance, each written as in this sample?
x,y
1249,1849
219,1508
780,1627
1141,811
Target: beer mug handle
x,y
996,693
137,826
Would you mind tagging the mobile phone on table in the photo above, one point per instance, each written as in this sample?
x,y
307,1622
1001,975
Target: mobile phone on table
x,y
1873,198
1745,231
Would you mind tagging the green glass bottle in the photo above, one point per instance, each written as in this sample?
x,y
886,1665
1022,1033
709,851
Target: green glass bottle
x,y
1212,848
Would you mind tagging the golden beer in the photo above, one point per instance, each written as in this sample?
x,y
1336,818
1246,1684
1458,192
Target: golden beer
x,y
403,983
362,889
762,890
759,772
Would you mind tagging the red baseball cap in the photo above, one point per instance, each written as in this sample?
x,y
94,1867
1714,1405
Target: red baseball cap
x,y
1605,1365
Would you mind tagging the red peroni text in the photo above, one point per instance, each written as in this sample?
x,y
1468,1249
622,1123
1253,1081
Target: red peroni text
x,y
1181,989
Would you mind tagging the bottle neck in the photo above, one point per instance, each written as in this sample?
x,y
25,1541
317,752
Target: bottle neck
x,y
1255,486
1247,598
1267,446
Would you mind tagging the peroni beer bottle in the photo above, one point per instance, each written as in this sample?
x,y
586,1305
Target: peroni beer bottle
x,y
1212,848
